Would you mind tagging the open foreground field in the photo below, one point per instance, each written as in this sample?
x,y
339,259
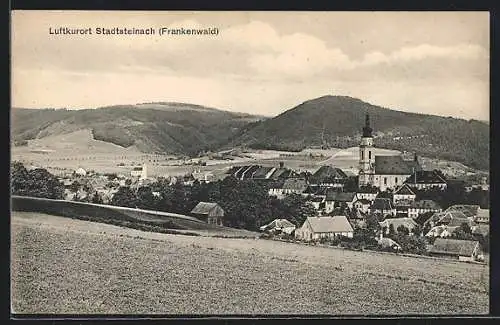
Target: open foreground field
x,y
62,265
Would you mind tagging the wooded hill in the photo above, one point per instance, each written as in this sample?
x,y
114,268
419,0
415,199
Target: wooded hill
x,y
329,121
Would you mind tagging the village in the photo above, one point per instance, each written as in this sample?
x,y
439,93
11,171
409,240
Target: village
x,y
392,205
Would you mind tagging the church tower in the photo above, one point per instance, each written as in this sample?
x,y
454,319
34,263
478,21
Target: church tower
x,y
366,155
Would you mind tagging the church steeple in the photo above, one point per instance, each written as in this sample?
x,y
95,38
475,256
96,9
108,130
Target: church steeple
x,y
367,130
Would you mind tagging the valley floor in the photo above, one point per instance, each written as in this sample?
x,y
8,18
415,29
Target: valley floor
x,y
61,265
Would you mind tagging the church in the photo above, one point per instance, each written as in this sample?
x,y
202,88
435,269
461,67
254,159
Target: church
x,y
384,172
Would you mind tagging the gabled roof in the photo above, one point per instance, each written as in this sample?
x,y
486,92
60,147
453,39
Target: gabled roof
x,y
404,190
364,201
333,195
328,174
204,207
425,177
453,247
261,172
296,184
409,223
393,165
425,204
468,210
382,204
329,224
278,223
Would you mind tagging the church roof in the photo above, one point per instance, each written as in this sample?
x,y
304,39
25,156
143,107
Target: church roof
x,y
394,165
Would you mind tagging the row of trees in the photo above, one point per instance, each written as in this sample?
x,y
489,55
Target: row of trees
x,y
246,203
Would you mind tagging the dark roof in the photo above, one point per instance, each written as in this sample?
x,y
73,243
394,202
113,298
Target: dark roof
x,y
248,173
240,171
394,165
425,204
296,184
329,224
364,201
404,190
423,218
381,204
333,195
204,208
328,174
262,172
453,247
425,177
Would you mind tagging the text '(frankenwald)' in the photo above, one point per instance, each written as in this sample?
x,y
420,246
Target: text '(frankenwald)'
x,y
133,31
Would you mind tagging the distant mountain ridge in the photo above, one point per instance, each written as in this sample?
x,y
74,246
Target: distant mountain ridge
x,y
328,121
336,121
175,128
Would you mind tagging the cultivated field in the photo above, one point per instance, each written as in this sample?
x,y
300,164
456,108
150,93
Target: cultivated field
x,y
62,265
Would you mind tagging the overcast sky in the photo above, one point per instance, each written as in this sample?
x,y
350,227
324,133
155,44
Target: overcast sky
x,y
260,62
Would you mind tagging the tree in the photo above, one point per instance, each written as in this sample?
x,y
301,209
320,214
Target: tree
x,y
402,230
125,197
392,232
464,232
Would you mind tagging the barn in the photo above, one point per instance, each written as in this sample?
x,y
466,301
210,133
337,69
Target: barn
x,y
209,212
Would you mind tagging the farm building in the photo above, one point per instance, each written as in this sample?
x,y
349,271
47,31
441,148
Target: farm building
x,y
463,250
335,199
315,228
212,213
425,179
279,225
328,176
417,208
409,223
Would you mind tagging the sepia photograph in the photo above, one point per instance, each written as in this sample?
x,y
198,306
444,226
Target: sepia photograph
x,y
250,163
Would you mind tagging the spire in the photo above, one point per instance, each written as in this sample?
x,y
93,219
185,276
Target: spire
x,y
367,130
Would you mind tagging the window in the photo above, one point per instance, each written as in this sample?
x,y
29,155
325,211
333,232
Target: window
x,y
385,180
396,179
369,155
362,155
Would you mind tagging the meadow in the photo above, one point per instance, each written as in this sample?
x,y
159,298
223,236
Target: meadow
x,y
61,265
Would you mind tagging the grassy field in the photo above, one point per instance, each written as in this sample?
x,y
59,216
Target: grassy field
x,y
62,265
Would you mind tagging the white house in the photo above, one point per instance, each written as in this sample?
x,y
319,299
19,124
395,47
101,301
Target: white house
x,y
422,206
81,172
315,228
404,193
362,205
141,172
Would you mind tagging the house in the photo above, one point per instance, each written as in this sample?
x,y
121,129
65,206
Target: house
x,y
141,172
483,216
449,218
367,193
409,223
315,228
419,207
81,172
329,176
441,231
426,179
468,210
210,212
404,193
287,186
383,206
335,199
384,172
362,205
279,225
463,250
402,207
